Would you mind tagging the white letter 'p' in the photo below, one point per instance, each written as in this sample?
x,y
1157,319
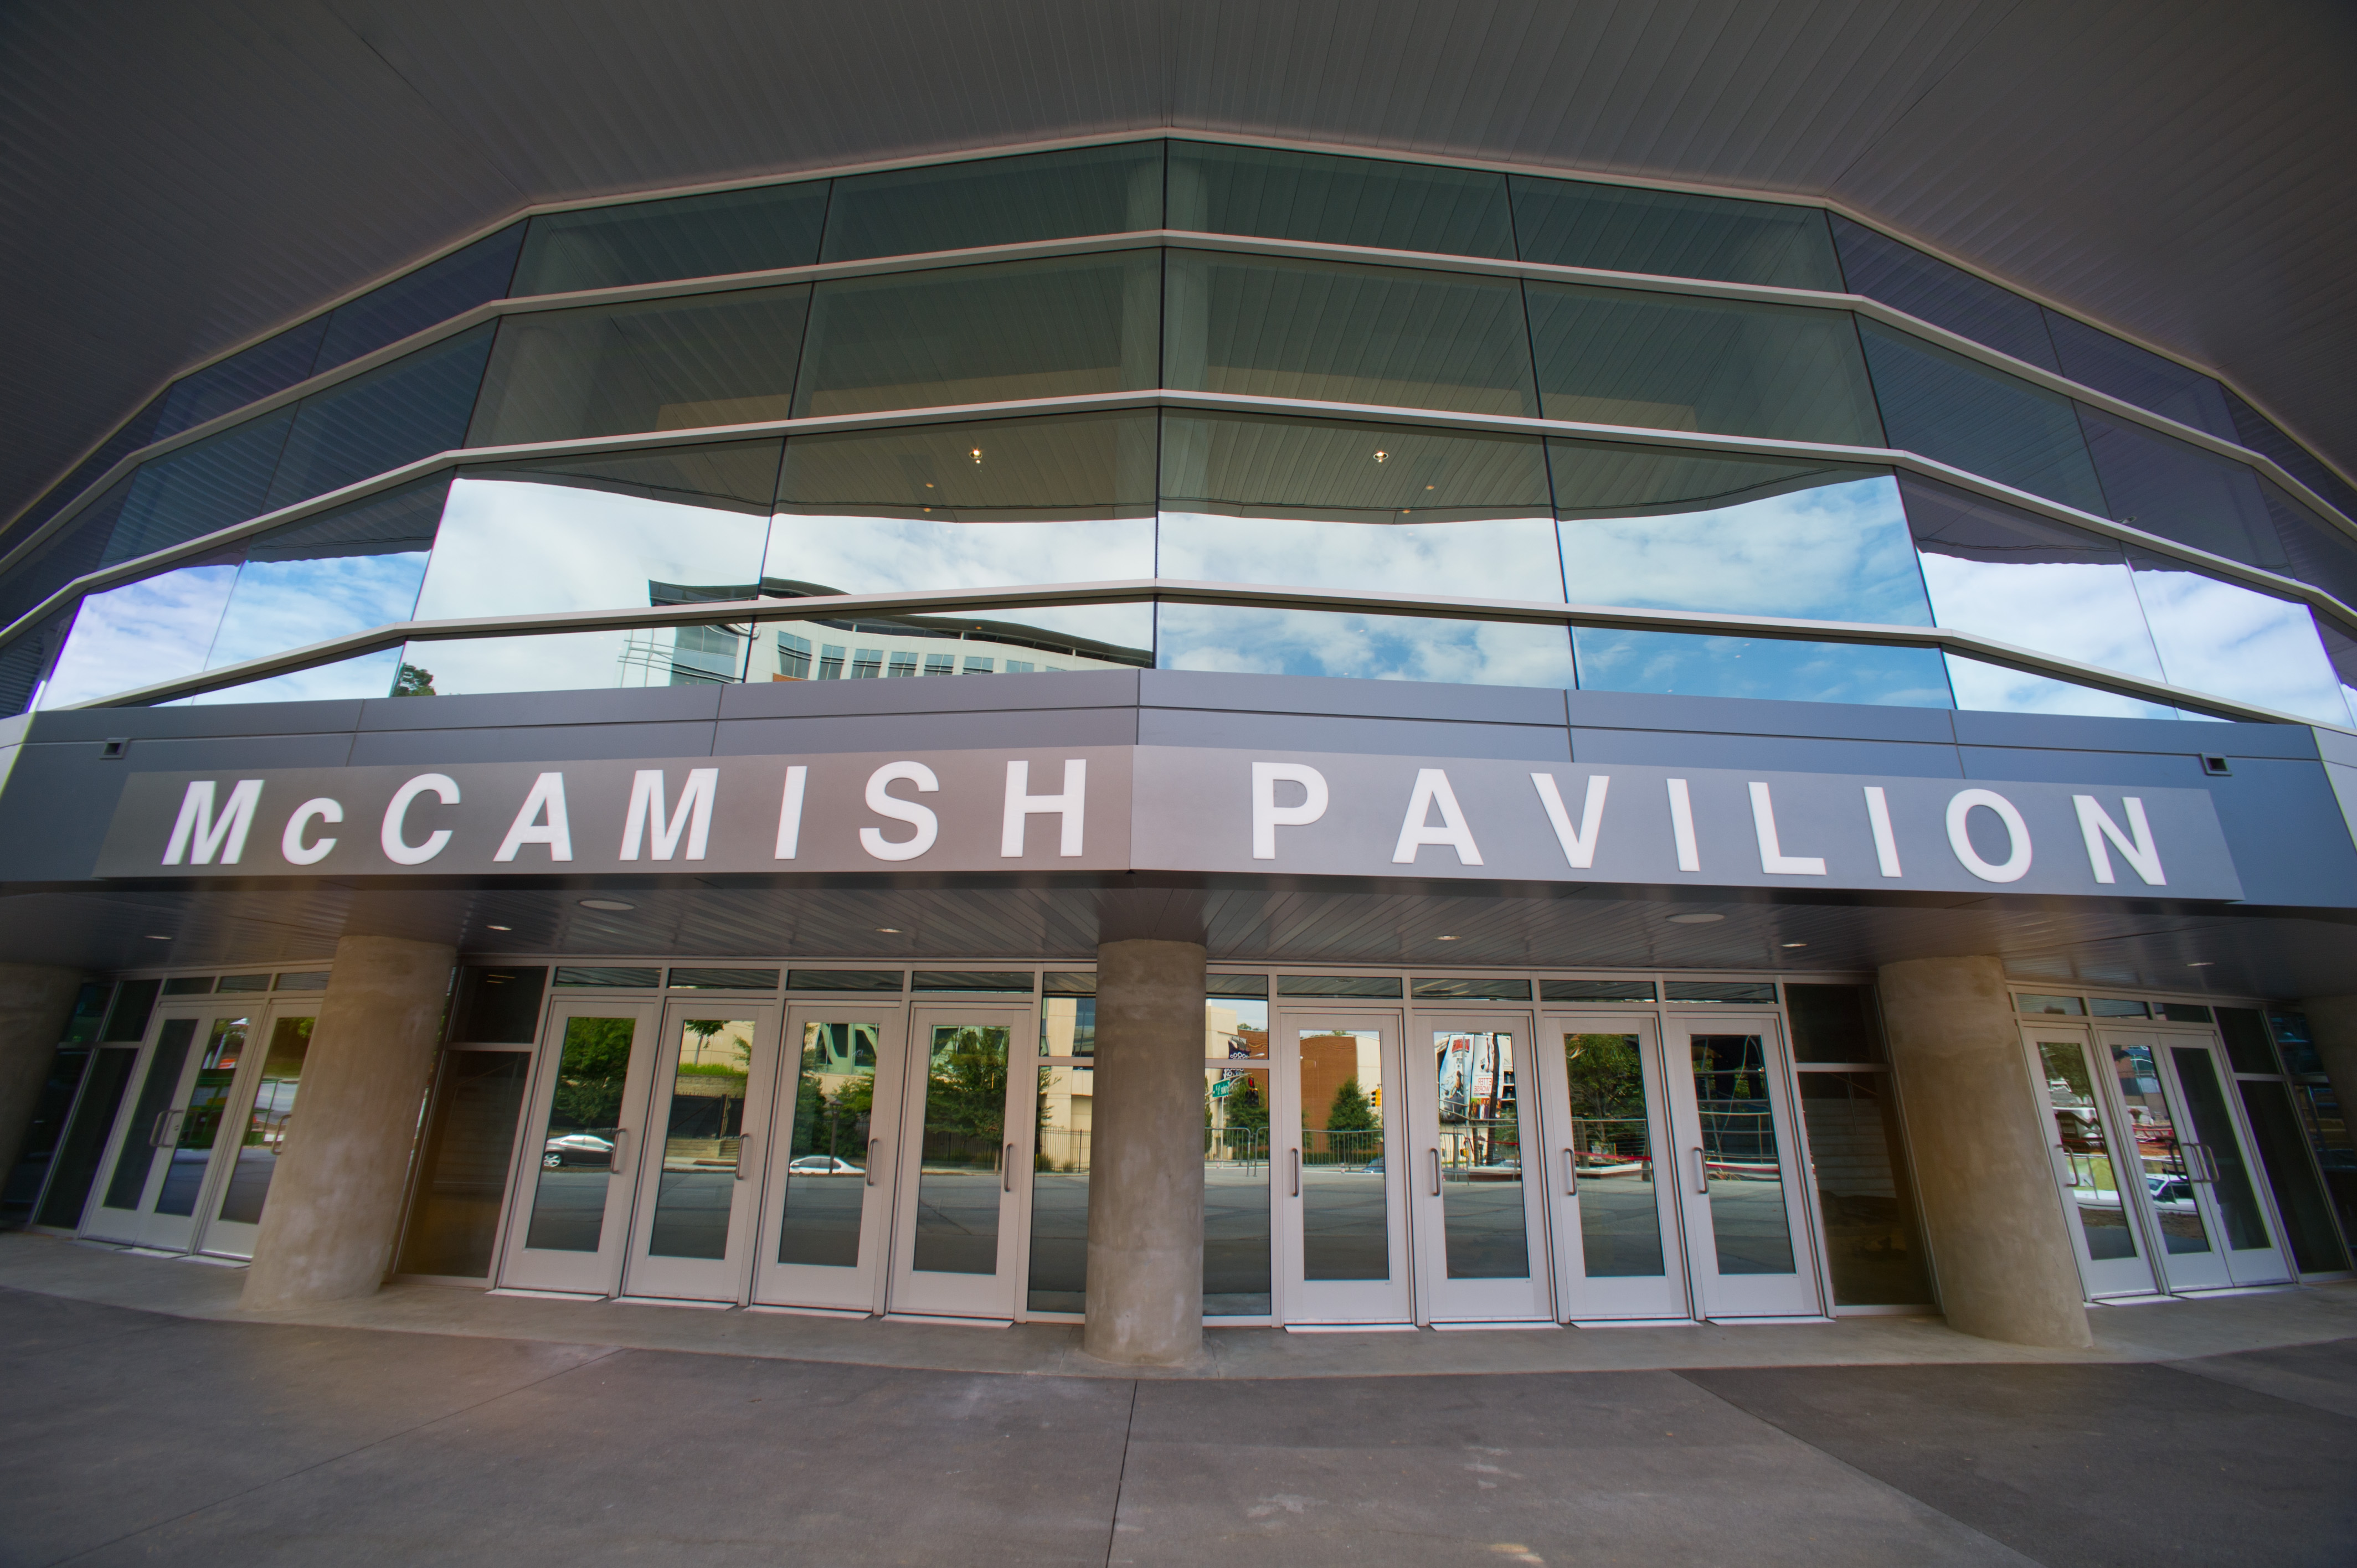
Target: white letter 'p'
x,y
1269,816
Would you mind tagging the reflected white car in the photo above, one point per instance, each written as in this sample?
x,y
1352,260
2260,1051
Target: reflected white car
x,y
577,1149
2170,1194
824,1164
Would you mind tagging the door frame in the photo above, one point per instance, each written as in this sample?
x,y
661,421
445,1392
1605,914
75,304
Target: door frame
x,y
2099,1278
217,1235
1715,1297
550,1271
915,1293
1298,1299
824,1287
724,1278
1667,1297
1438,1297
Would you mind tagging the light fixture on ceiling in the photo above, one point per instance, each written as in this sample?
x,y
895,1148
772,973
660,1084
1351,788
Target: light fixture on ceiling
x,y
889,930
1695,920
2202,964
1382,455
157,937
614,904
1796,944
975,452
1444,938
501,928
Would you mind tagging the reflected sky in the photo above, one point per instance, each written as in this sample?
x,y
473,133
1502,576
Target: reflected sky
x,y
566,661
885,554
370,675
279,604
1511,558
1689,665
1367,647
2082,610
151,630
1991,688
1837,552
510,547
2237,642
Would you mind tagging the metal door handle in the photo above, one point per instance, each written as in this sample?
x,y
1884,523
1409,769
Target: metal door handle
x,y
155,1131
621,1144
1702,1174
2202,1165
871,1160
1570,1172
1007,1178
744,1146
1435,1171
1297,1171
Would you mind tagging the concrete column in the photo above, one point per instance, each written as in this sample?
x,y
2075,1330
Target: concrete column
x,y
335,1201
36,1005
1978,1141
2332,1026
1146,1156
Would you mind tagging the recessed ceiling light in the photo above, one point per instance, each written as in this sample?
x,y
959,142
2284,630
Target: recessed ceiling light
x,y
613,904
2204,964
1444,938
157,937
501,928
889,930
1694,919
1787,944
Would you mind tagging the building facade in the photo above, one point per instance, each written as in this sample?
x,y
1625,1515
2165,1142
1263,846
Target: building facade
x,y
1591,750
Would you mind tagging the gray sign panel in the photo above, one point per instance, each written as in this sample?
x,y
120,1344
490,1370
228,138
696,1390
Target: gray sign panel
x,y
1176,809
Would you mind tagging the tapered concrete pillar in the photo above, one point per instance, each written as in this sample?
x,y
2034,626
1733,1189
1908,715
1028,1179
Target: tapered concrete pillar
x,y
1146,1156
1978,1141
2332,1026
335,1201
36,1005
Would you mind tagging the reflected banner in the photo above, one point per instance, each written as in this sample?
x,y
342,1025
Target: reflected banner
x,y
1170,809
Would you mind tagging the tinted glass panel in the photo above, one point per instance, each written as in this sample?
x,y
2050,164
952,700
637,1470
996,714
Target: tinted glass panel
x,y
1346,1194
1363,335
997,201
1596,991
1481,1204
1235,1167
2093,1177
220,480
2234,641
2261,434
1059,1190
498,1005
667,364
1691,664
657,527
2160,1147
1573,224
1669,531
1741,1155
2139,376
469,1139
200,1125
2163,485
960,1184
1325,505
349,569
2213,1124
968,335
2039,584
2316,552
1337,201
829,1145
410,408
142,1141
1856,1153
2299,1196
1611,357
1360,646
134,1001
1610,1143
704,1139
134,433
1906,279
686,237
2246,1034
153,629
1961,412
576,1154
266,1122
955,505
272,365
435,291
1834,1023
85,1141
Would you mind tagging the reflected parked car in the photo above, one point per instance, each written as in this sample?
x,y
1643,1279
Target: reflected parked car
x,y
577,1149
2171,1194
824,1164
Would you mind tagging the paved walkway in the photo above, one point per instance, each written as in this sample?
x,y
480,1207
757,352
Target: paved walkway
x,y
142,1436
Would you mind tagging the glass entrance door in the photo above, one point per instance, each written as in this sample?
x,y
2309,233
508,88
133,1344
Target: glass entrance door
x,y
1342,1227
1605,1152
1740,1193
571,1213
261,1111
2107,1226
1477,1218
161,1169
699,1165
957,1221
2192,1181
828,1208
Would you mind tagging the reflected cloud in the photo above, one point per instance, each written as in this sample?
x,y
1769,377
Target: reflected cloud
x,y
1834,552
1368,648
370,675
1687,664
2082,610
2238,642
1991,688
889,556
151,630
279,604
509,548
1505,558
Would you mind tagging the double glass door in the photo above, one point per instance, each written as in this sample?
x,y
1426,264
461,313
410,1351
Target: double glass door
x,y
1495,1166
848,1158
2152,1161
190,1168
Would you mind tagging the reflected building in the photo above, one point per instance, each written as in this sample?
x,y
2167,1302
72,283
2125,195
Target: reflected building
x,y
1676,733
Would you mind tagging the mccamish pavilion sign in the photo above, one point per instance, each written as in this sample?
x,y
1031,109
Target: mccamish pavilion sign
x,y
1175,809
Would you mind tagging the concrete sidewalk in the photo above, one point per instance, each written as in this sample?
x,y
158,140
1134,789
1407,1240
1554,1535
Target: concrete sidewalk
x,y
2154,1331
130,1436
